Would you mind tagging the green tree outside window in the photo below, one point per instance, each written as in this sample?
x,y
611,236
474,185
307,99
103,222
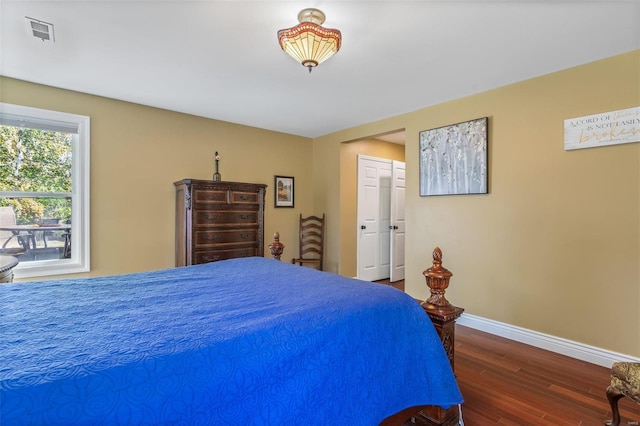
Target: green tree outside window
x,y
33,160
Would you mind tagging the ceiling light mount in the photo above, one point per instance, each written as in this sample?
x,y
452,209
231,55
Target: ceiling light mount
x,y
312,15
308,42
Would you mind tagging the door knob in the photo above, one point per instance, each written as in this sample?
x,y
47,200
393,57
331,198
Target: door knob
x,y
363,227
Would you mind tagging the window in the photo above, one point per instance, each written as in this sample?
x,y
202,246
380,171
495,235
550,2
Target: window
x,y
44,190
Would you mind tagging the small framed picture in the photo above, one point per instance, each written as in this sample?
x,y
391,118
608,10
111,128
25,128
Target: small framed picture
x,y
284,195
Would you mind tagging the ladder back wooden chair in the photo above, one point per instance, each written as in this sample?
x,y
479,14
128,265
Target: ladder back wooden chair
x,y
311,242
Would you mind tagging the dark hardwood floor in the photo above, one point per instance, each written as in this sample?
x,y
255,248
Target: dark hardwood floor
x,y
397,284
505,382
509,383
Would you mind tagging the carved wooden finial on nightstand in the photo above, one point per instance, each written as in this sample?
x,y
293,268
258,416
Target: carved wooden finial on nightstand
x,y
276,247
438,280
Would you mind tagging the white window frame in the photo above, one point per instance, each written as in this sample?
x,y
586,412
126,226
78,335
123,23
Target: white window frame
x,y
80,185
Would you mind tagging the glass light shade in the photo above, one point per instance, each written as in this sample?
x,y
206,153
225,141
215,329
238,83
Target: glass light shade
x,y
309,43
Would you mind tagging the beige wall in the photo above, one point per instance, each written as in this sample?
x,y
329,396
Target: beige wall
x,y
555,246
137,153
349,152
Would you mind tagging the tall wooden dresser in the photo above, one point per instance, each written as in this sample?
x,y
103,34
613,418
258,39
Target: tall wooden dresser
x,y
218,220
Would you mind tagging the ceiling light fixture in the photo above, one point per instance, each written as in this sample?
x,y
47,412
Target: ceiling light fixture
x,y
309,43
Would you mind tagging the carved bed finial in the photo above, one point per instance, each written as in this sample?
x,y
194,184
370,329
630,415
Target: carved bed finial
x,y
437,256
276,247
437,280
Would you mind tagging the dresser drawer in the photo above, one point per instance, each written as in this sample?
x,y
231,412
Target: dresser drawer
x,y
214,238
210,196
215,255
243,197
225,217
223,196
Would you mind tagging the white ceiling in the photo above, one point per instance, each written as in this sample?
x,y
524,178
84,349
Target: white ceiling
x,y
221,59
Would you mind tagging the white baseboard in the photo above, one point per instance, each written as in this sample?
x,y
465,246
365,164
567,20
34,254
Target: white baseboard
x,y
555,344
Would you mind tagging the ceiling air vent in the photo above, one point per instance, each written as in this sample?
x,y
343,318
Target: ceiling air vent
x,y
40,29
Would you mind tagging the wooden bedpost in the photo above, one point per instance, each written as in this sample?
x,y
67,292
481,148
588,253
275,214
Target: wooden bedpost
x,y
276,247
443,315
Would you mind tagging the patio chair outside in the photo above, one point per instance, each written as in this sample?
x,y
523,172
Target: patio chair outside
x,y
10,244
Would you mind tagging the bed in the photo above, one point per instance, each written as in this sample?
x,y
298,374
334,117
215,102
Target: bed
x,y
237,342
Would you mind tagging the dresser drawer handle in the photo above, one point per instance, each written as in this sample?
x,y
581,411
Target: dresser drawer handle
x,y
212,217
245,236
210,258
210,237
244,216
244,197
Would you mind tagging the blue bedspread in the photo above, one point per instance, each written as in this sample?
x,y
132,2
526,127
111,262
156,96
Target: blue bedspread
x,y
237,342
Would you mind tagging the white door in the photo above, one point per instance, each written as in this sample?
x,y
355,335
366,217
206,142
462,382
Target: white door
x,y
374,182
375,233
397,221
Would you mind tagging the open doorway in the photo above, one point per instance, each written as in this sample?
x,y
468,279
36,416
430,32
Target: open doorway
x,y
389,146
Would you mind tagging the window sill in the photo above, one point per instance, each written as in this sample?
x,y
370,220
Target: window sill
x,y
48,268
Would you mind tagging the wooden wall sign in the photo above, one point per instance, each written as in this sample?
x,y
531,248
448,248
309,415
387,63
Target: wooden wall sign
x,y
607,128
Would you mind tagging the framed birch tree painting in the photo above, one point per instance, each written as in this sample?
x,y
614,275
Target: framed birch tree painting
x,y
453,159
